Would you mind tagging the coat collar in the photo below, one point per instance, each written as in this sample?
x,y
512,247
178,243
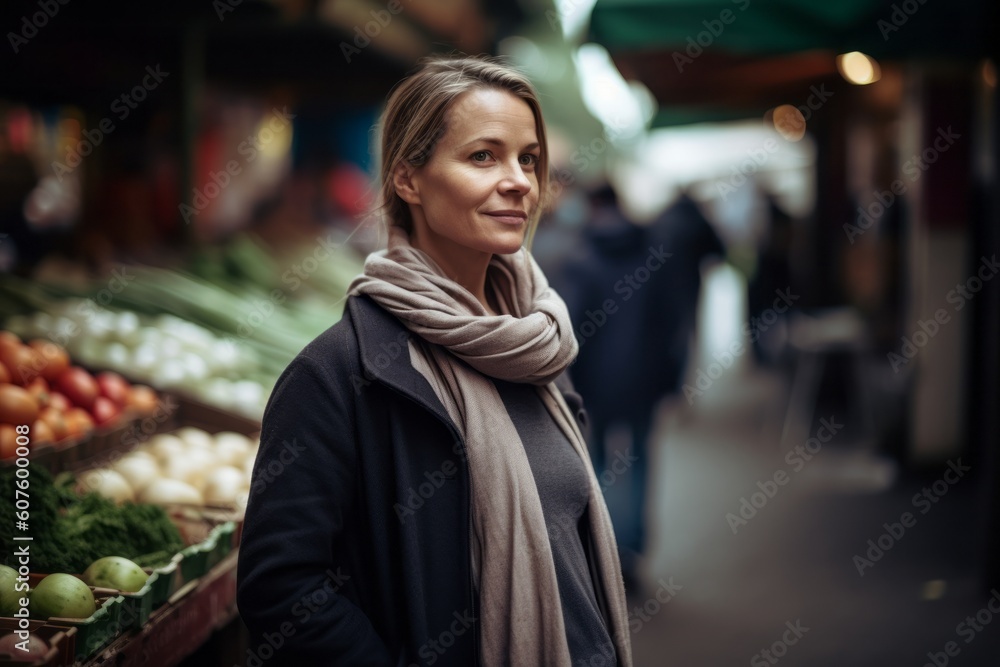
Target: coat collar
x,y
383,342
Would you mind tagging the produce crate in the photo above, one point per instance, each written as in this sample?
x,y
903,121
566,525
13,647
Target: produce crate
x,y
209,536
106,445
104,625
194,412
97,631
61,641
137,606
223,543
97,448
167,581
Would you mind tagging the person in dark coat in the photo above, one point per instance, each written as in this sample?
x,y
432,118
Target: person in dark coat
x,y
608,288
632,294
682,230
422,494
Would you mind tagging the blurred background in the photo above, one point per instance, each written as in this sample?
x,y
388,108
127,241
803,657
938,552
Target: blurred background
x,y
775,223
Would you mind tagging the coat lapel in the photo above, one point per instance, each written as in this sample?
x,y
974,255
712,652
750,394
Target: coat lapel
x,y
385,354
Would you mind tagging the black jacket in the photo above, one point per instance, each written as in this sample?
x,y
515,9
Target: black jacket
x,y
356,544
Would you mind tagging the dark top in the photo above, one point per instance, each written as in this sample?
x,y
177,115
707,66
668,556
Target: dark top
x,y
561,480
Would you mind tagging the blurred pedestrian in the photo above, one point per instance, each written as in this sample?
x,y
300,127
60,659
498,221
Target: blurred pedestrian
x,y
609,289
683,231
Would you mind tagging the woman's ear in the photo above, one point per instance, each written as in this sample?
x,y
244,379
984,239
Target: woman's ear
x,y
403,182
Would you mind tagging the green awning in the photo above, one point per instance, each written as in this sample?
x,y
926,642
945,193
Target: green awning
x,y
878,27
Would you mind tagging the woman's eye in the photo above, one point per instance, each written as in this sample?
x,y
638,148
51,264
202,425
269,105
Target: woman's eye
x,y
481,156
529,160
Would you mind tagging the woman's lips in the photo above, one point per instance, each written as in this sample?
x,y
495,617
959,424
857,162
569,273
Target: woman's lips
x,y
510,217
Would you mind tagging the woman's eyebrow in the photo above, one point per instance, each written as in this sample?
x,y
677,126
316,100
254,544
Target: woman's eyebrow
x,y
496,142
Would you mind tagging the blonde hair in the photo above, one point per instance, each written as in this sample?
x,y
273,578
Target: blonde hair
x,y
416,113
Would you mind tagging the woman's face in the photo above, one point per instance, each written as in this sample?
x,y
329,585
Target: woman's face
x,y
479,187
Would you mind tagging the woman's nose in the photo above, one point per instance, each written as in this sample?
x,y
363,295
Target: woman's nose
x,y
515,180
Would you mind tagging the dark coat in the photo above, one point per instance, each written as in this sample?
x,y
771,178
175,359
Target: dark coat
x,y
356,543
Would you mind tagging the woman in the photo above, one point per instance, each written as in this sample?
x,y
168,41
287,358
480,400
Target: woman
x,y
422,494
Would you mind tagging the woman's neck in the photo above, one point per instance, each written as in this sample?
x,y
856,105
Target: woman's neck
x,y
464,266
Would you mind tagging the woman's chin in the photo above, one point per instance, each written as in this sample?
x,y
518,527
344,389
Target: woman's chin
x,y
508,243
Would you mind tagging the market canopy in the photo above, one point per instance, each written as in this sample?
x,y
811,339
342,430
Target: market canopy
x,y
882,28
720,59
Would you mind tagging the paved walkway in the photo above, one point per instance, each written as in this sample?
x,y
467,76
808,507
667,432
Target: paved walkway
x,y
783,577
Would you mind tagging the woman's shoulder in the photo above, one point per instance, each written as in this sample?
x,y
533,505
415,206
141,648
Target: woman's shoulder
x,y
325,357
341,349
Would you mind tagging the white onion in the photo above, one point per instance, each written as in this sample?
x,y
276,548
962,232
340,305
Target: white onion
x,y
166,447
138,468
222,485
127,328
177,467
202,462
116,356
107,483
195,437
165,491
232,448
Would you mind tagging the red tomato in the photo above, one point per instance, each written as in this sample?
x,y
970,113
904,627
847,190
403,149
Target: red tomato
x,y
22,361
4,373
41,433
56,421
143,399
114,386
105,411
17,406
79,386
39,388
78,422
53,357
59,401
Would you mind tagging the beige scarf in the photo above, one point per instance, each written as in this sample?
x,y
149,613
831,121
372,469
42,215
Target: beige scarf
x,y
530,341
